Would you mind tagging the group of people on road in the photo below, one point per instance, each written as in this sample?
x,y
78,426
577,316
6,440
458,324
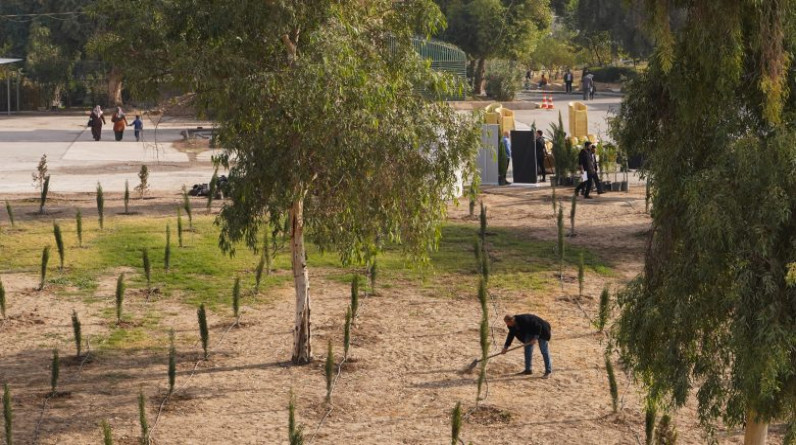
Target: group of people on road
x,y
586,84
97,119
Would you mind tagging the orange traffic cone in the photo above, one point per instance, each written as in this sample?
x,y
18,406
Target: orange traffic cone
x,y
544,102
550,105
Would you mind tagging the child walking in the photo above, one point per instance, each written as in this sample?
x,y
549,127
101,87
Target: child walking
x,y
138,125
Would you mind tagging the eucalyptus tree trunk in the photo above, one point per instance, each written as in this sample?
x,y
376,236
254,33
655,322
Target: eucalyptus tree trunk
x,y
302,347
480,77
756,432
115,87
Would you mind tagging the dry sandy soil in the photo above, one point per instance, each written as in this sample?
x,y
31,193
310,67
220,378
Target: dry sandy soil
x,y
398,388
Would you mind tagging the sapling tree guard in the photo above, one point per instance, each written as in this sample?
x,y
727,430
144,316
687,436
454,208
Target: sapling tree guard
x,y
76,328
79,227
10,212
126,197
387,178
8,414
45,258
712,314
100,205
59,243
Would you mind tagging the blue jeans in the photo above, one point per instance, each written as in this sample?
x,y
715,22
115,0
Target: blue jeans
x,y
543,347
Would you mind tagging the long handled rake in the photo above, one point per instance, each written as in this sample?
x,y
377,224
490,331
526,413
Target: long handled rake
x,y
472,365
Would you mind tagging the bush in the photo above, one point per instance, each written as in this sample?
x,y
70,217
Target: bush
x,y
502,83
613,74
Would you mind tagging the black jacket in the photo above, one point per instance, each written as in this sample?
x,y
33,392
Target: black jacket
x,y
527,327
539,148
585,161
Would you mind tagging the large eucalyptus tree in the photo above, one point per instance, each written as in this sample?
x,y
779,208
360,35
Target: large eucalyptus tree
x,y
712,311
329,118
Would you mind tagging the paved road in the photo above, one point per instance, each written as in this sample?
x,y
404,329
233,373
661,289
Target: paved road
x,y
77,162
600,109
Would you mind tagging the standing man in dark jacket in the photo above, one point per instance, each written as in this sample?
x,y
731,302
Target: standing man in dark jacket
x,y
587,164
540,154
529,329
568,77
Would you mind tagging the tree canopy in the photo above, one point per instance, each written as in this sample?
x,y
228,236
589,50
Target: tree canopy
x,y
329,117
712,310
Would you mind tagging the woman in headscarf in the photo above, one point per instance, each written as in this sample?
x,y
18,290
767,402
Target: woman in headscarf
x,y
95,121
119,122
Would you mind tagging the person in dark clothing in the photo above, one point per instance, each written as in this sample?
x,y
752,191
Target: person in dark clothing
x,y
596,178
95,121
530,329
540,154
587,164
568,77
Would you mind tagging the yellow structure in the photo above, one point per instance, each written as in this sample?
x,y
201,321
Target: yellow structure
x,y
578,120
496,114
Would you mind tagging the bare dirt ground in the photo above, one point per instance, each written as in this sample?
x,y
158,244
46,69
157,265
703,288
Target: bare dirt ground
x,y
400,385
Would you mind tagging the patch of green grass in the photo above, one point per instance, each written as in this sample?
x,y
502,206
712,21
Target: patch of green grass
x,y
125,338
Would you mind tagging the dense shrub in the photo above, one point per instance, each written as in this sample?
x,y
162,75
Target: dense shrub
x,y
502,82
613,74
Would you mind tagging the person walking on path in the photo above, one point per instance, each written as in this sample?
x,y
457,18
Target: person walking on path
x,y
587,83
596,178
541,155
119,123
586,164
568,77
530,329
95,121
138,126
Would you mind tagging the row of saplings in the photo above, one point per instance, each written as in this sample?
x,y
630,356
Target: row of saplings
x,y
264,265
664,434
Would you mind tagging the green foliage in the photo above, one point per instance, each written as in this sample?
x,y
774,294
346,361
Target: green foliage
x,y
374,273
605,309
258,273
212,193
119,297
650,417
666,433
179,227
609,369
147,267
143,184
40,175
613,74
608,29
203,331
59,243
236,299
347,332
2,299
560,246
554,52
45,258
186,205
79,228
167,250
572,210
565,156
142,419
10,212
581,268
502,82
8,414
55,372
77,331
328,370
100,205
711,312
107,433
295,432
456,423
482,219
354,295
172,372
43,197
126,197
